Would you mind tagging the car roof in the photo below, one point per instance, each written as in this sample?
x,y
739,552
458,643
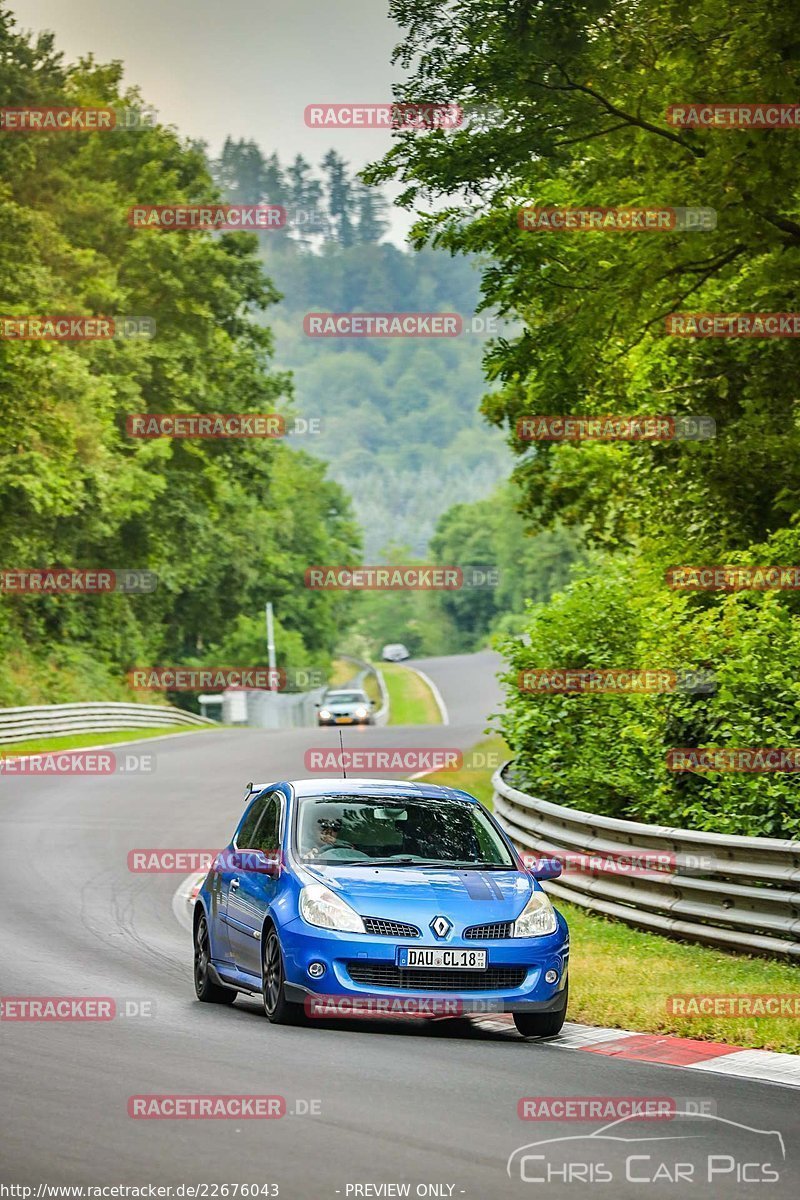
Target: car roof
x,y
376,787
346,691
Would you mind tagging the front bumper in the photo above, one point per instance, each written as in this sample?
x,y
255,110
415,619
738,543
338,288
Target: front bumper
x,y
345,721
526,959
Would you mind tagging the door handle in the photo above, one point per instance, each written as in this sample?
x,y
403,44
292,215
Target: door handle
x,y
234,885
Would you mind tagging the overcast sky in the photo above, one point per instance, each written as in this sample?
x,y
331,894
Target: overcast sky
x,y
247,68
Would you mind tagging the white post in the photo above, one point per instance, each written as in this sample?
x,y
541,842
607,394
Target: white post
x,y
273,681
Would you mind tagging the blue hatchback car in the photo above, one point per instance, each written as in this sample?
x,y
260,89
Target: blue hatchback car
x,y
365,890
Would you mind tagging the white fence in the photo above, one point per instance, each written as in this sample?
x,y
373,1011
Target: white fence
x,y
54,720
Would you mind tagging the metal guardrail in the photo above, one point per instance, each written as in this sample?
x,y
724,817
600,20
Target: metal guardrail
x,y
381,714
741,893
53,720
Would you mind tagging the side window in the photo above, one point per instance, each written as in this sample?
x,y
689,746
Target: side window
x,y
244,840
268,832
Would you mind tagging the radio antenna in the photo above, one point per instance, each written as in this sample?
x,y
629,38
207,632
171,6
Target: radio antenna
x,y
341,747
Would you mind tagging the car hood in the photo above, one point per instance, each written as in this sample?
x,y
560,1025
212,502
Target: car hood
x,y
410,894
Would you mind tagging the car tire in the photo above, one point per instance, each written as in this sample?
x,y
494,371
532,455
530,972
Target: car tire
x,y
542,1024
205,988
277,1008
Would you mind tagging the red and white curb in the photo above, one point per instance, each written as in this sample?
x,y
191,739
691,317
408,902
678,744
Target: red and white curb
x,y
765,1066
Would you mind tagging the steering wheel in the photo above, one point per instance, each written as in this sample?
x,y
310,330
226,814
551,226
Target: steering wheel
x,y
337,852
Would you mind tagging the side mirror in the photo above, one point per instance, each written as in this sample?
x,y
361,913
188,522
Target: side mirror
x,y
545,868
257,861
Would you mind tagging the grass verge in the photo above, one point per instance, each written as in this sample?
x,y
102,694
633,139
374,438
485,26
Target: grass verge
x,y
371,687
411,701
341,672
475,777
75,741
622,977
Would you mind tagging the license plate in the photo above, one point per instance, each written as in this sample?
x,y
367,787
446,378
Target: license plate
x,y
457,960
344,720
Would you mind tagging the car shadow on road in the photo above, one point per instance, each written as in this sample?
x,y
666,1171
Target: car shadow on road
x,y
461,1028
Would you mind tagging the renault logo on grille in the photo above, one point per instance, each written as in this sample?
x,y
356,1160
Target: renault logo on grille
x,y
441,927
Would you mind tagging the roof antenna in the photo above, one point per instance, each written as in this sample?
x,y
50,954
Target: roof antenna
x,y
341,747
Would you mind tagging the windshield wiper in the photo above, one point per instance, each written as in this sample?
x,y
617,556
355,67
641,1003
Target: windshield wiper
x,y
449,863
455,865
402,861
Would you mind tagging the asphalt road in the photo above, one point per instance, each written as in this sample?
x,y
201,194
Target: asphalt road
x,y
416,1103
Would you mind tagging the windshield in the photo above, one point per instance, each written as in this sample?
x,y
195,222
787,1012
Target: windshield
x,y
345,698
367,830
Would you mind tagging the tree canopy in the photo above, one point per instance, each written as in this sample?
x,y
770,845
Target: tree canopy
x,y
224,524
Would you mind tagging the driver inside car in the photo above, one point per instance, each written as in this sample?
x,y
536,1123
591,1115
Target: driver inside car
x,y
327,837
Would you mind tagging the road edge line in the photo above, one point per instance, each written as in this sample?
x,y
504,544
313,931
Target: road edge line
x,y
437,695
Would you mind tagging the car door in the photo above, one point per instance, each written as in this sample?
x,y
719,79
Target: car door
x,y
225,874
251,892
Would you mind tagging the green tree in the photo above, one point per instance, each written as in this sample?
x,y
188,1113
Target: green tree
x,y
220,522
580,94
340,197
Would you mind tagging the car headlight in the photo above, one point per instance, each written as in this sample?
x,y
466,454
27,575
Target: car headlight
x,y
319,906
537,918
325,713
360,711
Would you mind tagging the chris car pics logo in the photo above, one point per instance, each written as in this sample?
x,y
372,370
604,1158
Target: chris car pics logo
x,y
700,1148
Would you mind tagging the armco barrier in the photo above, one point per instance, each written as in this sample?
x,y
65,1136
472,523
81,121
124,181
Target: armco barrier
x,y
54,720
741,893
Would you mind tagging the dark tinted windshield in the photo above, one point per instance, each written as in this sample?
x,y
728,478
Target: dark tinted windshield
x,y
366,830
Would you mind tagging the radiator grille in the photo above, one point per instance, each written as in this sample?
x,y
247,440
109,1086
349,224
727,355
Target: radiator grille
x,y
485,933
384,928
387,975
